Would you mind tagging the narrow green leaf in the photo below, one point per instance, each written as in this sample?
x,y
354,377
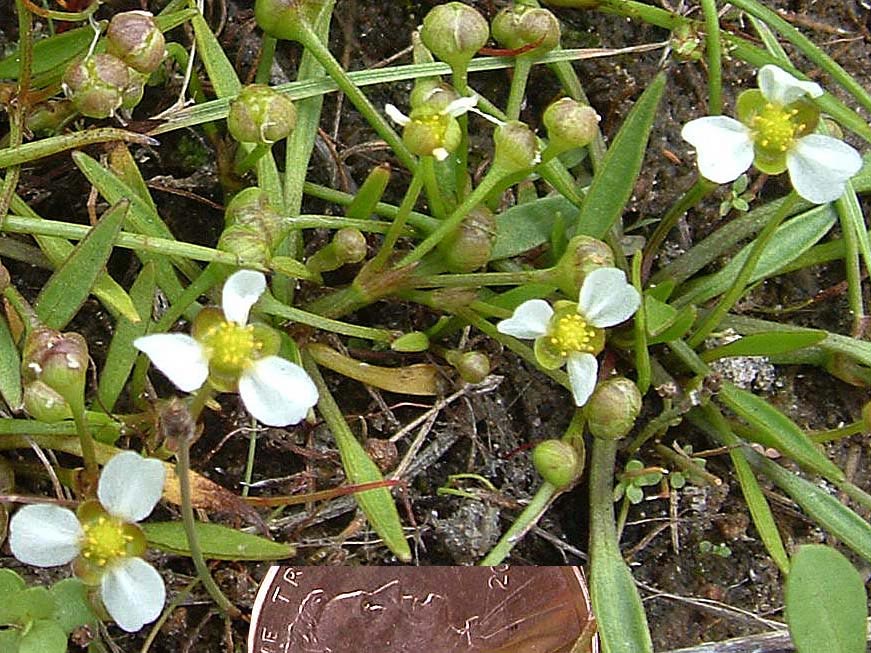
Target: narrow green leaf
x,y
790,241
69,286
122,354
771,428
10,368
56,250
612,186
219,69
826,606
679,326
824,508
218,542
529,225
660,316
765,344
52,53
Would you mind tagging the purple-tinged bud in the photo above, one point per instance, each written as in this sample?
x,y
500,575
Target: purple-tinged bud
x,y
96,85
60,360
260,114
521,26
613,408
557,462
454,32
135,39
469,246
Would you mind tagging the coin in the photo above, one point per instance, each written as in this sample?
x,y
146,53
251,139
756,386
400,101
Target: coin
x,y
502,609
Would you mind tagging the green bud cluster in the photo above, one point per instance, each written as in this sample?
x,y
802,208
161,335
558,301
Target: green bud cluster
x,y
100,84
253,227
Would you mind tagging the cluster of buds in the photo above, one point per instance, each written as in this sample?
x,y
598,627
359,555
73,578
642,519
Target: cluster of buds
x,y
101,84
253,227
533,30
54,369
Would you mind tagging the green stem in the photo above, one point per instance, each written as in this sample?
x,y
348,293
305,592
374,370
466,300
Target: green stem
x,y
183,464
481,279
491,180
411,194
267,55
616,603
313,44
526,520
518,87
642,354
89,453
715,64
249,462
247,160
713,319
44,147
436,201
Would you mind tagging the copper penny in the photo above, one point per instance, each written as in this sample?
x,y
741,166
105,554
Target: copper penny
x,y
412,609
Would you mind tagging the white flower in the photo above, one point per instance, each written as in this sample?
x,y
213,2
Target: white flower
x,y
108,544
774,133
274,390
574,333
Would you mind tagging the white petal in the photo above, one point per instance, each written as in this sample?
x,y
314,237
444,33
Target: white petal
x,y
461,105
277,392
440,153
133,593
396,115
723,147
780,87
819,167
529,320
180,357
45,535
241,292
606,298
130,485
583,372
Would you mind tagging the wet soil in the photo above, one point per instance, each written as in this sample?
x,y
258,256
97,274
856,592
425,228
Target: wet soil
x,y
675,540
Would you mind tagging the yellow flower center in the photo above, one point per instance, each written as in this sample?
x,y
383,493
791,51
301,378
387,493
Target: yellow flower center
x,y
774,128
572,333
104,541
232,347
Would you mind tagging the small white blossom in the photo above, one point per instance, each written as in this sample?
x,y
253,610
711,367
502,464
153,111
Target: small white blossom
x,y
573,334
274,390
775,138
48,535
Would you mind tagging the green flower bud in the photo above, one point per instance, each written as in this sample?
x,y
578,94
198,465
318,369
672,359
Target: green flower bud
x,y
45,404
96,84
570,124
557,462
432,93
468,247
260,114
246,243
348,246
285,19
521,26
254,227
454,32
60,360
413,342
583,255
135,39
613,408
473,366
516,147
